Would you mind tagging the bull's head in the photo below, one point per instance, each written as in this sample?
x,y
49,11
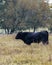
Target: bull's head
x,y
19,35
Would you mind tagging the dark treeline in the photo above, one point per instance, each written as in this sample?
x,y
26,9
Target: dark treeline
x,y
24,14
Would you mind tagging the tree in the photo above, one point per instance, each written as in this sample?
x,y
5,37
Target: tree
x,y
44,13
23,14
9,16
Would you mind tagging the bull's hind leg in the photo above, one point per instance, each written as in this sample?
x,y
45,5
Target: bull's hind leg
x,y
45,42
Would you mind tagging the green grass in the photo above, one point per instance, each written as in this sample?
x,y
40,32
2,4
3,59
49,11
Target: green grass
x,y
15,52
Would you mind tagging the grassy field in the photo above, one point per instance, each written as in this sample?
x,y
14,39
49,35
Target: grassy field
x,y
15,52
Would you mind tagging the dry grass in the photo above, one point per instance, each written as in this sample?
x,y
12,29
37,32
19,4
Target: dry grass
x,y
15,52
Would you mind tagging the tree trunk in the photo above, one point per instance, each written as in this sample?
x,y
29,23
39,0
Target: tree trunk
x,y
34,29
5,31
12,31
29,29
8,31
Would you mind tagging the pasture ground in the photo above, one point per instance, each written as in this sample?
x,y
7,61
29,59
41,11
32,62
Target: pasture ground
x,y
15,52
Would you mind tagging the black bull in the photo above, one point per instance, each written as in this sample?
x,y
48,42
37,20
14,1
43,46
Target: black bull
x,y
29,37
